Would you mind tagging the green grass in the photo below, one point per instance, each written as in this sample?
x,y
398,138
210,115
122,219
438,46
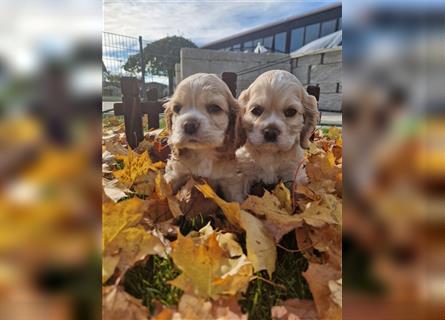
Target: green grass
x,y
148,281
261,296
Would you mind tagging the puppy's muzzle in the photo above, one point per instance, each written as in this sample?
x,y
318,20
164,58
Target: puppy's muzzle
x,y
191,126
271,134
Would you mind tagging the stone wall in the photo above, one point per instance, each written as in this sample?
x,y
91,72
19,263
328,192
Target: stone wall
x,y
321,68
248,66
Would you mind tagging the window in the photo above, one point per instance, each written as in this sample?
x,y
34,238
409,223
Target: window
x,y
268,42
280,42
237,47
312,32
328,27
255,42
248,45
339,23
296,40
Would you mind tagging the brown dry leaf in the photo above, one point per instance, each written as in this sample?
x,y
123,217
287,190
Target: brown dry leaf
x,y
195,308
162,188
278,221
145,184
282,193
193,203
135,165
116,148
327,210
157,210
318,277
118,305
327,240
207,269
295,309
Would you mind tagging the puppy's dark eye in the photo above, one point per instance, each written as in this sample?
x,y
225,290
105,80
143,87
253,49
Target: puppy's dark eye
x,y
290,112
176,108
213,108
257,111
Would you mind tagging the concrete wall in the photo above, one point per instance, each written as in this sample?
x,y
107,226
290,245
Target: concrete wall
x,y
322,68
211,61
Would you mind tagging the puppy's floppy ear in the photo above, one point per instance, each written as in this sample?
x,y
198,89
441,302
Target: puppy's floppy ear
x,y
231,142
310,116
168,113
242,105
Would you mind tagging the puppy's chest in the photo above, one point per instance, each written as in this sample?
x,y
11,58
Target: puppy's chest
x,y
208,167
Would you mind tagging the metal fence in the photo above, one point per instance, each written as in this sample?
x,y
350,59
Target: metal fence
x,y
116,49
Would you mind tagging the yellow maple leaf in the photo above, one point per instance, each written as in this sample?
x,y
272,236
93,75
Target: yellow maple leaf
x,y
283,195
118,216
327,210
135,165
261,250
125,242
230,209
208,271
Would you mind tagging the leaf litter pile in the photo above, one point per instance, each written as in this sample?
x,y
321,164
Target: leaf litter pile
x,y
193,255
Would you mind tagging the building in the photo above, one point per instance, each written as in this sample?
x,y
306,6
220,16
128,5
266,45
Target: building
x,y
287,35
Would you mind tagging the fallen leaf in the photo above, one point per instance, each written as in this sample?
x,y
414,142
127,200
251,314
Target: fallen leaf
x,y
327,210
336,291
135,165
118,216
118,305
207,269
114,190
145,184
282,193
295,309
193,203
277,220
230,209
261,249
318,277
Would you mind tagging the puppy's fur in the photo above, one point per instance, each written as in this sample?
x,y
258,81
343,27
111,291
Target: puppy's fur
x,y
278,118
202,118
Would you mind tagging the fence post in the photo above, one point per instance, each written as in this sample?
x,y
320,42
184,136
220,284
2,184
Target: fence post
x,y
230,79
142,62
153,113
132,111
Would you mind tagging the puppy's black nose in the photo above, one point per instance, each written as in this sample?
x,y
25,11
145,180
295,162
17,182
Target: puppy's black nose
x,y
191,126
271,134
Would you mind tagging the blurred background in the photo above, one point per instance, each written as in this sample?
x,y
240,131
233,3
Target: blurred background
x,y
394,160
50,181
394,155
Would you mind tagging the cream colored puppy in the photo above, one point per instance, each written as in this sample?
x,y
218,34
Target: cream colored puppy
x,y
278,118
201,118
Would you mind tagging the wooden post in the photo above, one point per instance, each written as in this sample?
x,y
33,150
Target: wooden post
x,y
230,79
132,111
153,113
314,91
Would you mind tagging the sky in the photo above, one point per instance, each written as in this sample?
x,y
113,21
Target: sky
x,y
199,21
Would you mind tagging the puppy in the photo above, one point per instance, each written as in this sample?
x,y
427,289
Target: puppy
x,y
201,118
278,118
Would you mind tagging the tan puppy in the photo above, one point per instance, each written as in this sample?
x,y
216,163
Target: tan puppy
x,y
201,118
278,117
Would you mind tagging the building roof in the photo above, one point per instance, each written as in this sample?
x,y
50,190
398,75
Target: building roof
x,y
273,24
